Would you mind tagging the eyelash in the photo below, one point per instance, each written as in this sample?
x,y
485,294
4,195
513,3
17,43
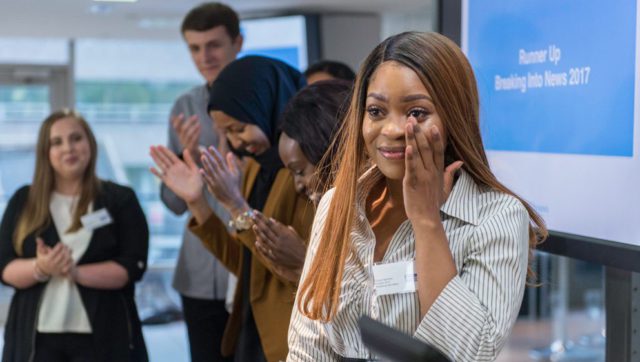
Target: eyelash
x,y
422,113
372,109
296,171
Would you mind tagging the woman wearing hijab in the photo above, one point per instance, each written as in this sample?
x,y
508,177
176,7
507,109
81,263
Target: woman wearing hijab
x,y
246,101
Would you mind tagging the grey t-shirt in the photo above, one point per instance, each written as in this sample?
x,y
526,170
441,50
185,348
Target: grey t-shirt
x,y
198,273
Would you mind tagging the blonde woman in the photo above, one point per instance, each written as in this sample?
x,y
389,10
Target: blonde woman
x,y
72,246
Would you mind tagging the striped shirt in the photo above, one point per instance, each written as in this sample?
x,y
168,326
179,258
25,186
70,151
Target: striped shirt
x,y
473,315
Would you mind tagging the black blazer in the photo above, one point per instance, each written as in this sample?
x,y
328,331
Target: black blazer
x,y
114,320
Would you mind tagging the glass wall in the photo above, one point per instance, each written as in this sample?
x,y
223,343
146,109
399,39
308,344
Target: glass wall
x,y
125,90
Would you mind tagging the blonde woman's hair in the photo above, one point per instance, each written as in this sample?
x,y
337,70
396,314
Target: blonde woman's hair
x,y
35,216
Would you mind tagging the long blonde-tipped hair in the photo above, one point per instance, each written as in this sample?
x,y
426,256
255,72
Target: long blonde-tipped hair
x,y
449,79
35,216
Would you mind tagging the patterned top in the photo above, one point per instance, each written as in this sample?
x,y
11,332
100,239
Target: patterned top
x,y
473,315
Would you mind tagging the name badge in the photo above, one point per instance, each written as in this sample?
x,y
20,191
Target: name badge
x,y
96,219
394,278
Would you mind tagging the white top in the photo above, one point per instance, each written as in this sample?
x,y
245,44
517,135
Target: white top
x,y
61,308
473,315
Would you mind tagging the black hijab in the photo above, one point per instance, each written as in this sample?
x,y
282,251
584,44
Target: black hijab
x,y
255,90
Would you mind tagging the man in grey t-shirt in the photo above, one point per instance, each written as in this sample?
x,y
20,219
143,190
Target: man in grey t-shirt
x,y
212,34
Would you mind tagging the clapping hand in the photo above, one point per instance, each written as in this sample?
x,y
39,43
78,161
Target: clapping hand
x,y
223,178
280,245
182,177
188,132
53,261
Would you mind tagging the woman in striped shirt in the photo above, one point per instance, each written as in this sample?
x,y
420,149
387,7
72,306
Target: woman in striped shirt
x,y
429,207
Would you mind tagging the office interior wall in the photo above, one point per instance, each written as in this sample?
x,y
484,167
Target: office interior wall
x,y
423,18
349,37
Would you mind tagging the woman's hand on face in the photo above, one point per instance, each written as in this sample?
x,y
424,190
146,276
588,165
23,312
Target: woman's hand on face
x,y
426,184
56,261
182,177
222,178
279,244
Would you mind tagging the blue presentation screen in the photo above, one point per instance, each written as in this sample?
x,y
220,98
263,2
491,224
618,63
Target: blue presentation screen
x,y
559,91
576,58
289,55
283,38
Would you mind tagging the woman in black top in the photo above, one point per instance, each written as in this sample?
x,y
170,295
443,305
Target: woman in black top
x,y
72,246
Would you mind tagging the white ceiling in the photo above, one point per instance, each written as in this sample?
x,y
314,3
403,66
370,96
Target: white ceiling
x,y
157,19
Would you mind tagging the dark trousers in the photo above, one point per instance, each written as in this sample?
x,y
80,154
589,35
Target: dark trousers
x,y
205,320
64,347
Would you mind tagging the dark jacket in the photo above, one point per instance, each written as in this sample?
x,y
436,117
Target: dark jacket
x,y
114,320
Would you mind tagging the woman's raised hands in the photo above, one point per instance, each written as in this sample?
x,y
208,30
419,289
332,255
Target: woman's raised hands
x,y
223,179
182,177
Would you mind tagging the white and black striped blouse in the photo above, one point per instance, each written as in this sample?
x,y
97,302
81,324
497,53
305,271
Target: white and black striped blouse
x,y
473,315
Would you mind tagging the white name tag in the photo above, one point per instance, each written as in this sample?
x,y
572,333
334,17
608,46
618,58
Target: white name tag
x,y
394,278
96,219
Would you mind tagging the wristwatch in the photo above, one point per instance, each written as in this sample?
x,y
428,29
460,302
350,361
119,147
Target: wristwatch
x,y
242,222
